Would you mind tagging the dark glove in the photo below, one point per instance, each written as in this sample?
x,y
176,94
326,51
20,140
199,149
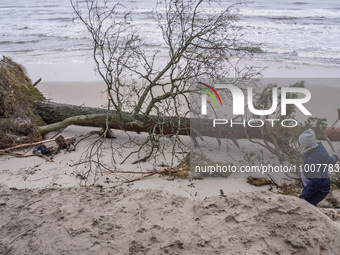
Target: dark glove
x,y
302,197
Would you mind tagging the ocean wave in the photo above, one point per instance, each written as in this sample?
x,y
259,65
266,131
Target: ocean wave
x,y
292,30
300,3
18,42
298,14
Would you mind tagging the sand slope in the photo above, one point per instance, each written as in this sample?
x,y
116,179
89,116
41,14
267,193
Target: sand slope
x,y
87,221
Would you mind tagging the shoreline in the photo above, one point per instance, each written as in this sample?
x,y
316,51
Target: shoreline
x,y
85,72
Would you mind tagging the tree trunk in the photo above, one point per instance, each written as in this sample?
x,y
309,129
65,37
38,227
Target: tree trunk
x,y
59,116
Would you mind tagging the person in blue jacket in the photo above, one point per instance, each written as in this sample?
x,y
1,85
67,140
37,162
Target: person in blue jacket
x,y
314,174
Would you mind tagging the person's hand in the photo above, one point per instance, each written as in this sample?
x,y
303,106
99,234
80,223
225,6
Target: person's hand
x,y
302,197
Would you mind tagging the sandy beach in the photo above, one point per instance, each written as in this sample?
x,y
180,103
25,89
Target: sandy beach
x,y
47,208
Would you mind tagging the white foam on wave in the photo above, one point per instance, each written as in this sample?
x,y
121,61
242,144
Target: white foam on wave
x,y
48,31
291,14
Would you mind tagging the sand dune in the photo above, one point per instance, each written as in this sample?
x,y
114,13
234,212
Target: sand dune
x,y
116,221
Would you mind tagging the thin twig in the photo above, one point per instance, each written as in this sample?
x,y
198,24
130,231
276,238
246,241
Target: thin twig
x,y
146,173
37,82
26,156
139,178
32,144
26,145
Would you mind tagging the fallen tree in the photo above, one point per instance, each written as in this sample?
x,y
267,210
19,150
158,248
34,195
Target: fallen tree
x,y
58,116
26,117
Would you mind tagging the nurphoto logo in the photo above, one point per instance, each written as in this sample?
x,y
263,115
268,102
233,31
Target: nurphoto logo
x,y
238,105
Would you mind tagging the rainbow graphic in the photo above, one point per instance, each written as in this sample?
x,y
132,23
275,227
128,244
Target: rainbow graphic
x,y
209,93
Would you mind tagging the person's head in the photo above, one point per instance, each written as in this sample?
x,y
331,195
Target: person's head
x,y
307,139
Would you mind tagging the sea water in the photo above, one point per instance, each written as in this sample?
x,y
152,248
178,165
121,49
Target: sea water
x,y
47,32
